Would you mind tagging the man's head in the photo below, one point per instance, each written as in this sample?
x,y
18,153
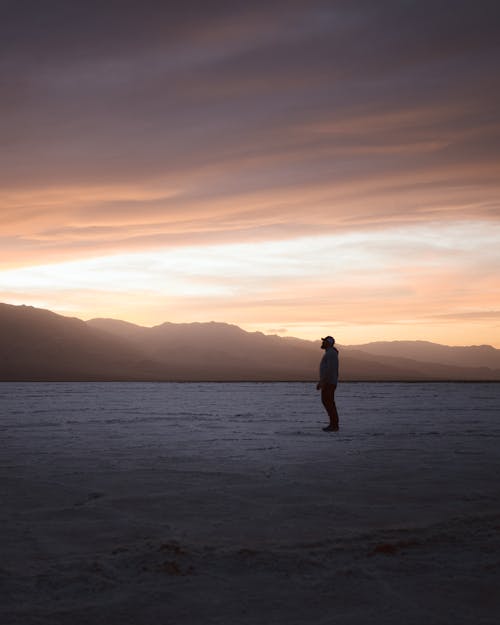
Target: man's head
x,y
327,342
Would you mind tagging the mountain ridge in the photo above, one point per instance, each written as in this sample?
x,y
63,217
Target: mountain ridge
x,y
40,345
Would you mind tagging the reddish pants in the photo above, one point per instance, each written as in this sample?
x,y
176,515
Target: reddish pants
x,y
328,400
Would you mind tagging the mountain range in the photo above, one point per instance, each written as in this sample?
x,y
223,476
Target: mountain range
x,y
39,345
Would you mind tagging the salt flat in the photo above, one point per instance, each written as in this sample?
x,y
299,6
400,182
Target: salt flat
x,y
227,503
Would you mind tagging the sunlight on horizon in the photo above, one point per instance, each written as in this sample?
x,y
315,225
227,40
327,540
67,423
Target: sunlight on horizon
x,y
369,285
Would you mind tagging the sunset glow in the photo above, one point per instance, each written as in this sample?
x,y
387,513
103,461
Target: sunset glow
x,y
298,169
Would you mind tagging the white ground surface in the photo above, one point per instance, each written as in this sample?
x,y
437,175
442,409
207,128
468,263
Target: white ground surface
x,y
226,503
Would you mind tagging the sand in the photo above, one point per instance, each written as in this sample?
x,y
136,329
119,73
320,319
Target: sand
x,y
226,503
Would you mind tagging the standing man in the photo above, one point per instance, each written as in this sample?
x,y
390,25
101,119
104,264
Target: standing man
x,y
328,379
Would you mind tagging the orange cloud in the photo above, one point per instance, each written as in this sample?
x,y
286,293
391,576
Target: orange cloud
x,y
183,135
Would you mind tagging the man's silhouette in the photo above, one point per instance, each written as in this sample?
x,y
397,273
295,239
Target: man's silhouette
x,y
328,379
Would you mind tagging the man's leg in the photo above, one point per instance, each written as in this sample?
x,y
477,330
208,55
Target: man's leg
x,y
328,399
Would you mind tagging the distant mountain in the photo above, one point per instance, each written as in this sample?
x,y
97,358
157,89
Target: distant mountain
x,y
218,351
472,356
37,344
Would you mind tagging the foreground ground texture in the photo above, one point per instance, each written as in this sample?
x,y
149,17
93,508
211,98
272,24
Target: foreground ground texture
x,y
227,503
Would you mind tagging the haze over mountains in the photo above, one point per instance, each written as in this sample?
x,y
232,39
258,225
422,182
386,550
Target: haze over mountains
x,y
37,344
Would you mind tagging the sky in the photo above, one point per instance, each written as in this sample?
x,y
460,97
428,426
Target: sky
x,y
298,168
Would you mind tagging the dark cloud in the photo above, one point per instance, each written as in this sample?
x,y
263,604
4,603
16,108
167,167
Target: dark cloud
x,y
228,98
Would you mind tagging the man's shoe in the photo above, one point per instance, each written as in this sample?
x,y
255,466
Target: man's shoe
x,y
331,428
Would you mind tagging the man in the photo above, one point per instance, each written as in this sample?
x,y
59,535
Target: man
x,y
328,379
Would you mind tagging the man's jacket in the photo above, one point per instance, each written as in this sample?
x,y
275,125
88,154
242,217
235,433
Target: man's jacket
x,y
329,366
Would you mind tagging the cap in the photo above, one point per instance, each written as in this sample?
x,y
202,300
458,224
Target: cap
x,y
329,339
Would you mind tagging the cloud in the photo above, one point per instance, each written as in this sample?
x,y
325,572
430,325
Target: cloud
x,y
131,129
161,92
477,315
